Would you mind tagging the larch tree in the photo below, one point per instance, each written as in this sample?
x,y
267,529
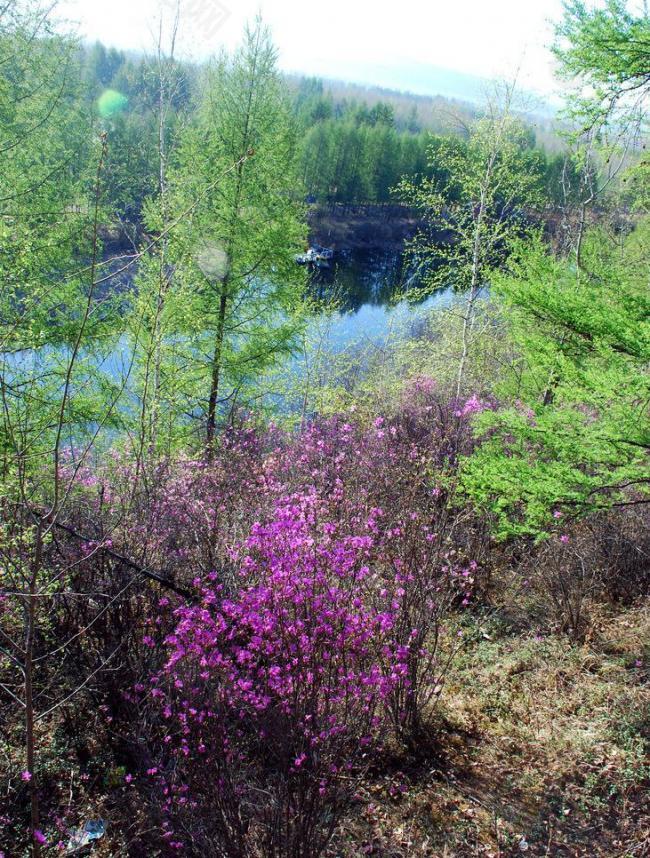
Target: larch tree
x,y
605,52
585,447
233,251
153,304
57,328
575,438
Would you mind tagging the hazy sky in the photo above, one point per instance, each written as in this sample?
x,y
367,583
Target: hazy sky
x,y
353,39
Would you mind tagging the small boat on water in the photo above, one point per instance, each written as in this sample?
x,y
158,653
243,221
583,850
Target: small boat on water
x,y
307,258
315,255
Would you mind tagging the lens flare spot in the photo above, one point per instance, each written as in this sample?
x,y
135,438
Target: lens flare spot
x,y
110,103
212,260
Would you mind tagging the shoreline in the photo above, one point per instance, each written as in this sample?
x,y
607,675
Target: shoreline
x,y
367,226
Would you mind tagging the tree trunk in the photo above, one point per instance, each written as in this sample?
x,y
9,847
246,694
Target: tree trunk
x,y
216,372
30,739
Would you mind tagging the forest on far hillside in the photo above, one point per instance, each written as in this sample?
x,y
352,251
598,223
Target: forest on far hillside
x,y
265,593
355,145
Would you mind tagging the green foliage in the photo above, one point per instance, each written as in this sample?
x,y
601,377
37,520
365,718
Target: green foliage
x,y
607,49
479,198
562,180
575,434
356,143
359,159
126,92
131,161
236,293
50,305
635,187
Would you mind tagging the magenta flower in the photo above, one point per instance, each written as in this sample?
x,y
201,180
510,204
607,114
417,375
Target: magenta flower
x,y
323,563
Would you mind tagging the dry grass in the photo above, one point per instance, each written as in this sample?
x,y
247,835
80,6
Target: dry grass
x,y
545,752
540,747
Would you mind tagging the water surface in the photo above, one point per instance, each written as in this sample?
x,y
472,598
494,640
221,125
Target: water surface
x,y
367,287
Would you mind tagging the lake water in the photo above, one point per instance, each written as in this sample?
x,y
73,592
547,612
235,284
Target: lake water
x,y
367,286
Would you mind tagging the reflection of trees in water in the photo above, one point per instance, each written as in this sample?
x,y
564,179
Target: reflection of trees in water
x,y
355,279
359,278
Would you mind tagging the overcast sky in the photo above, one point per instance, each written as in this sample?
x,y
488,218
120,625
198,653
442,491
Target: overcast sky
x,y
385,42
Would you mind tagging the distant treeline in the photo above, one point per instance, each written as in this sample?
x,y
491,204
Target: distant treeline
x,y
358,150
355,143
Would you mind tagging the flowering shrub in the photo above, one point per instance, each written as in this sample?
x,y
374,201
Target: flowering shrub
x,y
313,633
316,570
278,688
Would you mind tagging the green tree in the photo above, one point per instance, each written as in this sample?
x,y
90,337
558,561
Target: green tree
x,y
46,222
577,435
238,227
562,180
317,157
477,201
57,327
384,157
607,50
605,53
574,437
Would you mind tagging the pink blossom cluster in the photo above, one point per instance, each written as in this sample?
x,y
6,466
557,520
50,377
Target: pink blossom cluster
x,y
324,564
300,645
